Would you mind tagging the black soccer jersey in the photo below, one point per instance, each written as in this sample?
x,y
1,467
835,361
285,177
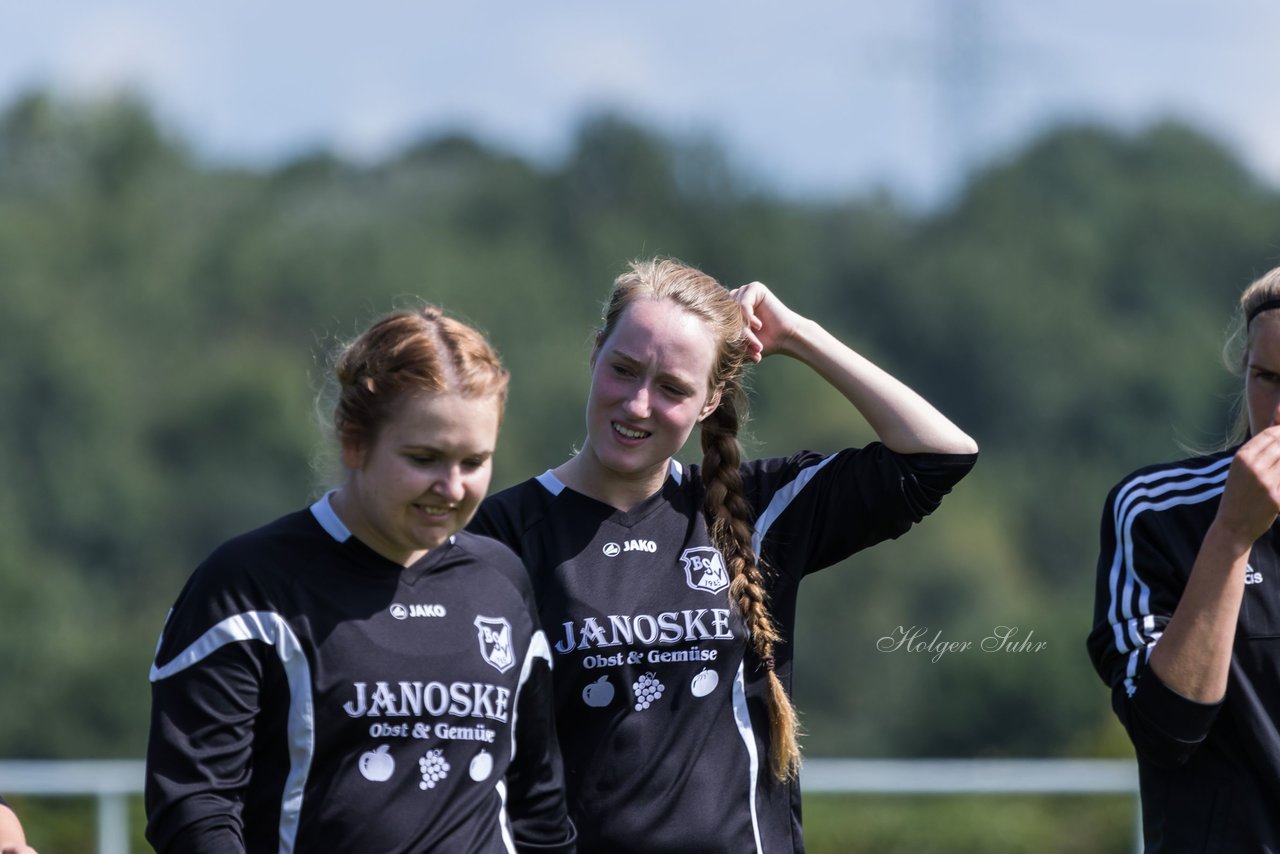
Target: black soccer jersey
x,y
311,695
659,699
1209,773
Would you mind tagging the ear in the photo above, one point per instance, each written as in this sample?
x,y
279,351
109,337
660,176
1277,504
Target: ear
x,y
352,455
713,403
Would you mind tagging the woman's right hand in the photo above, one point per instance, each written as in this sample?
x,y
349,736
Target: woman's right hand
x,y
1251,498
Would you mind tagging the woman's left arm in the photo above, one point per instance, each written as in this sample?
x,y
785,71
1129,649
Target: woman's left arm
x,y
903,420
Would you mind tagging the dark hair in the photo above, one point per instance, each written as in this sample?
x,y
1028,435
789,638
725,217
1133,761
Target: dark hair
x,y
728,513
407,352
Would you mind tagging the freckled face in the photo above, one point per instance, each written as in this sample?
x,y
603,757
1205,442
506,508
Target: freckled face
x,y
1262,371
424,475
649,386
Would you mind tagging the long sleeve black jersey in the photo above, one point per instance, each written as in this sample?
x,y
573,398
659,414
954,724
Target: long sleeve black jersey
x,y
660,702
1209,773
310,695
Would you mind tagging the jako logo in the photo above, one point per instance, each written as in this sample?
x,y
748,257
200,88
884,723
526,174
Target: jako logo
x,y
613,549
402,612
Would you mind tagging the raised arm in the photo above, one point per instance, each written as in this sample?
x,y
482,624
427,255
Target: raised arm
x,y
903,420
1193,657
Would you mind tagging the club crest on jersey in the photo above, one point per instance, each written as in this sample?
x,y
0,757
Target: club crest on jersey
x,y
704,569
495,642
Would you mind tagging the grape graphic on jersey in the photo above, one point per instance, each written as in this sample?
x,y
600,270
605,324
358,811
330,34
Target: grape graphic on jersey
x,y
434,768
647,690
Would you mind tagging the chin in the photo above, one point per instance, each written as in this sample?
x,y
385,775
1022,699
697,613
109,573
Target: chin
x,y
633,466
434,541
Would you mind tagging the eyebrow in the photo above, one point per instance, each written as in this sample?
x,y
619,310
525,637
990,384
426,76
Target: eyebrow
x,y
627,357
632,360
435,449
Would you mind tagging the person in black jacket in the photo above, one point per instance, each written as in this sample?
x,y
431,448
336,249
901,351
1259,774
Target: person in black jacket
x,y
1187,618
363,675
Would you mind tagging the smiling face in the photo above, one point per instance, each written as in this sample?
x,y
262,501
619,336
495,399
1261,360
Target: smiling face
x,y
421,478
649,386
1262,371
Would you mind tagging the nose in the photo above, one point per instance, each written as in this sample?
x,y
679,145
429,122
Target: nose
x,y
449,484
637,405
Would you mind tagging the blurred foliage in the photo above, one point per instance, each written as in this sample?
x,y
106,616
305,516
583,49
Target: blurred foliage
x,y
166,326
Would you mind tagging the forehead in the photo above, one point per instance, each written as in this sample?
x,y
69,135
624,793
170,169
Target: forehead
x,y
1264,339
666,336
444,420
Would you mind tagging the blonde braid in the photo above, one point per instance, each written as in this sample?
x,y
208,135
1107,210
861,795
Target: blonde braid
x,y
731,530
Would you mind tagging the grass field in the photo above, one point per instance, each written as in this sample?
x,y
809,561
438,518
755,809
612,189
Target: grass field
x,y
834,824
969,824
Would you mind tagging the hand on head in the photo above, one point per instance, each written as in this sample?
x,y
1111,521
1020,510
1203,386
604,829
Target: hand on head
x,y
769,323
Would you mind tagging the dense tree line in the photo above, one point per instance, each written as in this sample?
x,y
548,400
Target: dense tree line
x,y
166,324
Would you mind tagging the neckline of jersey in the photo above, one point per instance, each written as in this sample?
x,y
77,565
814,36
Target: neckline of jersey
x,y
365,556
624,518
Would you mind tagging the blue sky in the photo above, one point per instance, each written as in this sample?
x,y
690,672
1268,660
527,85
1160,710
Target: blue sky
x,y
812,96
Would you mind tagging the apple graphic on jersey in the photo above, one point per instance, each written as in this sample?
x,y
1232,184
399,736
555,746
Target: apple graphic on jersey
x,y
377,765
481,766
598,694
704,683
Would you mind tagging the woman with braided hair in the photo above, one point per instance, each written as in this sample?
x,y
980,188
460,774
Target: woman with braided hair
x,y
669,592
